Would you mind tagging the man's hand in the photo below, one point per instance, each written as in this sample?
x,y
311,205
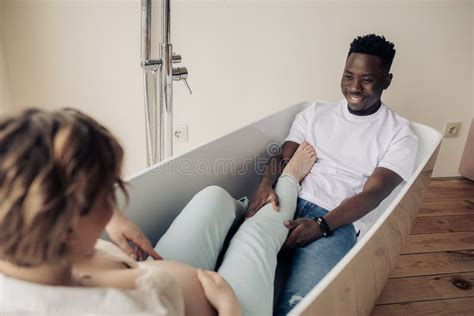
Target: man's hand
x,y
302,232
265,194
124,232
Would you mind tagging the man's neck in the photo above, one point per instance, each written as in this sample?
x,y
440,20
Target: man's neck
x,y
47,273
371,110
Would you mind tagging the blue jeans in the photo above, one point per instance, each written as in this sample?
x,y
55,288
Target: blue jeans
x,y
312,262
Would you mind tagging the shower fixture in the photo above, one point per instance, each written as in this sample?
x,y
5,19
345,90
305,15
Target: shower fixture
x,y
161,70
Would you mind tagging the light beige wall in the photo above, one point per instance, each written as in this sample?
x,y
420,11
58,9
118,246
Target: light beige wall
x,y
5,96
246,59
82,54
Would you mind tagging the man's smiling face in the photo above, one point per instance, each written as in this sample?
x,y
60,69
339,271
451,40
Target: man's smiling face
x,y
364,80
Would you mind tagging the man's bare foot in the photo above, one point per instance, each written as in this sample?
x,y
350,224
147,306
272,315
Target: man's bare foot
x,y
301,162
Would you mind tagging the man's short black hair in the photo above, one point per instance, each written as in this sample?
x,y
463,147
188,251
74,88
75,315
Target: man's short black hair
x,y
374,45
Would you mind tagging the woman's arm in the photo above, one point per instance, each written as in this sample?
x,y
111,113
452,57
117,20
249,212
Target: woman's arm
x,y
186,277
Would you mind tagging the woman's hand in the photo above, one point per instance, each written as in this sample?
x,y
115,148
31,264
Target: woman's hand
x,y
219,293
125,234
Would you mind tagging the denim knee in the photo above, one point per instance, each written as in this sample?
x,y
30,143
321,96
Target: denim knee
x,y
310,264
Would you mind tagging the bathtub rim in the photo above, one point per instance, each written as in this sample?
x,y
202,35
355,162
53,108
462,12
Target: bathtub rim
x,y
342,264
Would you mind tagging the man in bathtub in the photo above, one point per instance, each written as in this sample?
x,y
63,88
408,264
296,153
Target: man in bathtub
x,y
364,151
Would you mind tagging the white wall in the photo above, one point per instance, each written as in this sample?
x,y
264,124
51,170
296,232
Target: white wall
x,y
5,96
246,59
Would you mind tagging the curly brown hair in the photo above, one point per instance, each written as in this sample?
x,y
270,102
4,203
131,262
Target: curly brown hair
x,y
53,165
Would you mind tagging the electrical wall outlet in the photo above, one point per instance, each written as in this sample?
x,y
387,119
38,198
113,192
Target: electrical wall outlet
x,y
452,129
180,133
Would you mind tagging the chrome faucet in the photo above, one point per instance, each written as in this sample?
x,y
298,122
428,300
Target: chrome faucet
x,y
168,74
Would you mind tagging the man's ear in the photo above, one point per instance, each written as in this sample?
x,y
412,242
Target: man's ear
x,y
388,81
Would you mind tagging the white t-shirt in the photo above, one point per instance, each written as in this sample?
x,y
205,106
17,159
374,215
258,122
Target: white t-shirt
x,y
156,293
349,148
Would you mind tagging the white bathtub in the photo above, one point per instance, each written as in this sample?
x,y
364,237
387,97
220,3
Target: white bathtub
x,y
158,194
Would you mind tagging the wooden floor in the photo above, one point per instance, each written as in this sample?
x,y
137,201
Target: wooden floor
x,y
434,274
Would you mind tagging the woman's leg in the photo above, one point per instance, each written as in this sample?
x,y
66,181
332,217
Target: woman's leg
x,y
196,236
250,261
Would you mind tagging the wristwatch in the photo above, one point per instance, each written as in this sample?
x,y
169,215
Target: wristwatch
x,y
323,226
